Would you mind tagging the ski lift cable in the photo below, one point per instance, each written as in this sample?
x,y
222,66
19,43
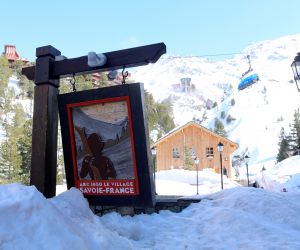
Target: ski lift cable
x,y
167,58
200,56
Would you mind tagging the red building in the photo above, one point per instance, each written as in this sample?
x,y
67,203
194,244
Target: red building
x,y
11,54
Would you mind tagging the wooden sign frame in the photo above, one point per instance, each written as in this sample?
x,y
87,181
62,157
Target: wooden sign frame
x,y
106,147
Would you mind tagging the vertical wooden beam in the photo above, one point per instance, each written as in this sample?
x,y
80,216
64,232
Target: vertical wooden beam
x,y
45,123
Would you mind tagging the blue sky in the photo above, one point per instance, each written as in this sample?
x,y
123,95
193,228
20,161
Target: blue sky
x,y
187,27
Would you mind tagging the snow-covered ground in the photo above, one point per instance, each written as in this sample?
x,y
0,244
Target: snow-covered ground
x,y
184,182
259,111
234,218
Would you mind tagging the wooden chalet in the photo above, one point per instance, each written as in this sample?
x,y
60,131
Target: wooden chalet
x,y
172,149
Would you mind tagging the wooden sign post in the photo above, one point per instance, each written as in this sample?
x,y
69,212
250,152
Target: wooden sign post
x,y
46,74
45,123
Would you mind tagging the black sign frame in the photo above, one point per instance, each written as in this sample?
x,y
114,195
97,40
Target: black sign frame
x,y
138,190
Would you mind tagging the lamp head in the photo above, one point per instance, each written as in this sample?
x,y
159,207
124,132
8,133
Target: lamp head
x,y
220,147
247,158
296,70
153,151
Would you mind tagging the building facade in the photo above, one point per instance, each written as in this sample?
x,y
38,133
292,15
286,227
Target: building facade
x,y
183,144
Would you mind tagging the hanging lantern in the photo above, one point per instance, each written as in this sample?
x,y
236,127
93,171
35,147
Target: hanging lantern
x,y
296,70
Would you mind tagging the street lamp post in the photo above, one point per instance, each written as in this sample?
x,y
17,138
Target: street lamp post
x,y
220,147
296,70
247,161
153,151
197,169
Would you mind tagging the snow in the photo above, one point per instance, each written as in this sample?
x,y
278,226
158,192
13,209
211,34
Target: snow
x,y
234,218
260,110
13,83
208,181
284,175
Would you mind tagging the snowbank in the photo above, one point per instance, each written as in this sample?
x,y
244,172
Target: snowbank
x,y
283,176
237,218
30,221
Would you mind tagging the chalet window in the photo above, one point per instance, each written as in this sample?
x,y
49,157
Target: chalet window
x,y
209,152
192,153
176,153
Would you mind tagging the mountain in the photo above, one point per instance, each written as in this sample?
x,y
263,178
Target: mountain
x,y
257,113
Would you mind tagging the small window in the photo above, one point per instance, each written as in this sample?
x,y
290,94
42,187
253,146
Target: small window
x,y
209,152
192,153
176,153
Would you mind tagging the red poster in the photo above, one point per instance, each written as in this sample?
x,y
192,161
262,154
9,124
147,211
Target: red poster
x,y
102,147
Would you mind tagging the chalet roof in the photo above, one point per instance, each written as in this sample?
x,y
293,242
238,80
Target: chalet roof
x,y
10,52
191,123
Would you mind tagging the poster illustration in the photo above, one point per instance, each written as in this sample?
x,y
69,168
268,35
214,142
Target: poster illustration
x,y
102,147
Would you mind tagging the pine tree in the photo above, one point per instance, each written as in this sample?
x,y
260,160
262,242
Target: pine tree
x,y
26,86
6,107
165,116
11,157
223,114
24,148
82,82
229,119
5,73
219,128
12,120
160,115
188,161
232,102
151,111
204,116
294,136
284,149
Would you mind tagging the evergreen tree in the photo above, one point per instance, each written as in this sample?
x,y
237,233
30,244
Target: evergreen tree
x,y
232,102
151,111
5,73
165,116
284,151
188,161
219,128
223,114
6,107
160,115
229,119
204,116
11,158
82,82
26,86
24,148
12,120
294,136
103,80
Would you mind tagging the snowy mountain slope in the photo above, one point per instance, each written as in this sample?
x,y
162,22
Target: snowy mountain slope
x,y
259,111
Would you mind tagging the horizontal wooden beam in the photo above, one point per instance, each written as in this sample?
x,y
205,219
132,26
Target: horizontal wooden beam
x,y
29,72
127,58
